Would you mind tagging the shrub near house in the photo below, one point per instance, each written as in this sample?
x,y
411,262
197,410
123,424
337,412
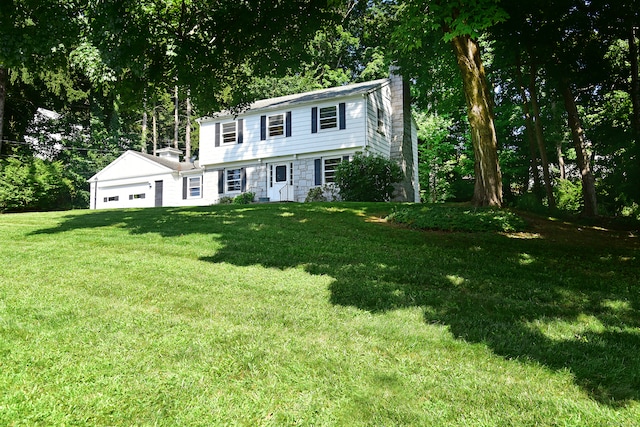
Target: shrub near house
x,y
367,178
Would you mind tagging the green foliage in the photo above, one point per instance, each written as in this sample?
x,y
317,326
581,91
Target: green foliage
x,y
244,198
531,203
441,163
225,200
456,218
34,184
324,193
568,196
367,178
315,194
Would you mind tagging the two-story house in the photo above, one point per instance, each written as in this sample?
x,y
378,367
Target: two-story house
x,y
278,148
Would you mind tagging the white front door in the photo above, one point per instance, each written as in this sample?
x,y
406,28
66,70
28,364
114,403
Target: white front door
x,y
279,182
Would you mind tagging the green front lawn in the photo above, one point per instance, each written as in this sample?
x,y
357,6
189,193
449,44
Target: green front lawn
x,y
313,314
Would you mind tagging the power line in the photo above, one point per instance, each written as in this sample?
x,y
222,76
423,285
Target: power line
x,y
65,148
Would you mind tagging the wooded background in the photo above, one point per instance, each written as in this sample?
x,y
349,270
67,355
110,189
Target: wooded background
x,y
534,105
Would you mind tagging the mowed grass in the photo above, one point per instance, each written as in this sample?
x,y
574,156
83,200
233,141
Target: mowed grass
x,y
313,314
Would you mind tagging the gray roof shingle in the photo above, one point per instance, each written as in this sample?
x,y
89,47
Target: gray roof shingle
x,y
308,97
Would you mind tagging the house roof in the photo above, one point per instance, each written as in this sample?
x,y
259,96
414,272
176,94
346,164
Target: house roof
x,y
176,166
165,163
308,97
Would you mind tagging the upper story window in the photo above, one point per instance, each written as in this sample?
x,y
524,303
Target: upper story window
x,y
276,125
229,133
328,117
380,120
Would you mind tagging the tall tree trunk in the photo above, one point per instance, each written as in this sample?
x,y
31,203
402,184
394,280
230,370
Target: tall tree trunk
x,y
3,97
561,166
556,114
635,94
143,136
176,118
540,136
635,83
488,183
528,123
582,153
154,123
187,135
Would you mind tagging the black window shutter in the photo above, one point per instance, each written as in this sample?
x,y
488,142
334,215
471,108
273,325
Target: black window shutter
x,y
288,124
220,182
342,115
345,158
240,131
263,128
184,187
314,120
243,174
217,138
318,171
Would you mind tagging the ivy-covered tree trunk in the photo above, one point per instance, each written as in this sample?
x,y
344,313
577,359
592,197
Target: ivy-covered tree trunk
x,y
582,155
488,178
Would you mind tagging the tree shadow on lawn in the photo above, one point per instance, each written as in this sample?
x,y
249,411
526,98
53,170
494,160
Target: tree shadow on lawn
x,y
554,301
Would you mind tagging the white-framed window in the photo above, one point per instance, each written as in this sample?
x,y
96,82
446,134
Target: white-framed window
x,y
111,199
194,186
328,117
381,121
137,196
234,180
330,166
275,125
229,133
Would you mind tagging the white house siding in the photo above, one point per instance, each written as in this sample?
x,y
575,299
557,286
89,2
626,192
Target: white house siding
x,y
131,180
124,189
379,139
301,141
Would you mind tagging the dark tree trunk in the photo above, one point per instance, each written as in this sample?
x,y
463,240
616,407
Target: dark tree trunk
x,y
635,94
635,83
540,137
528,122
582,155
3,96
488,178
